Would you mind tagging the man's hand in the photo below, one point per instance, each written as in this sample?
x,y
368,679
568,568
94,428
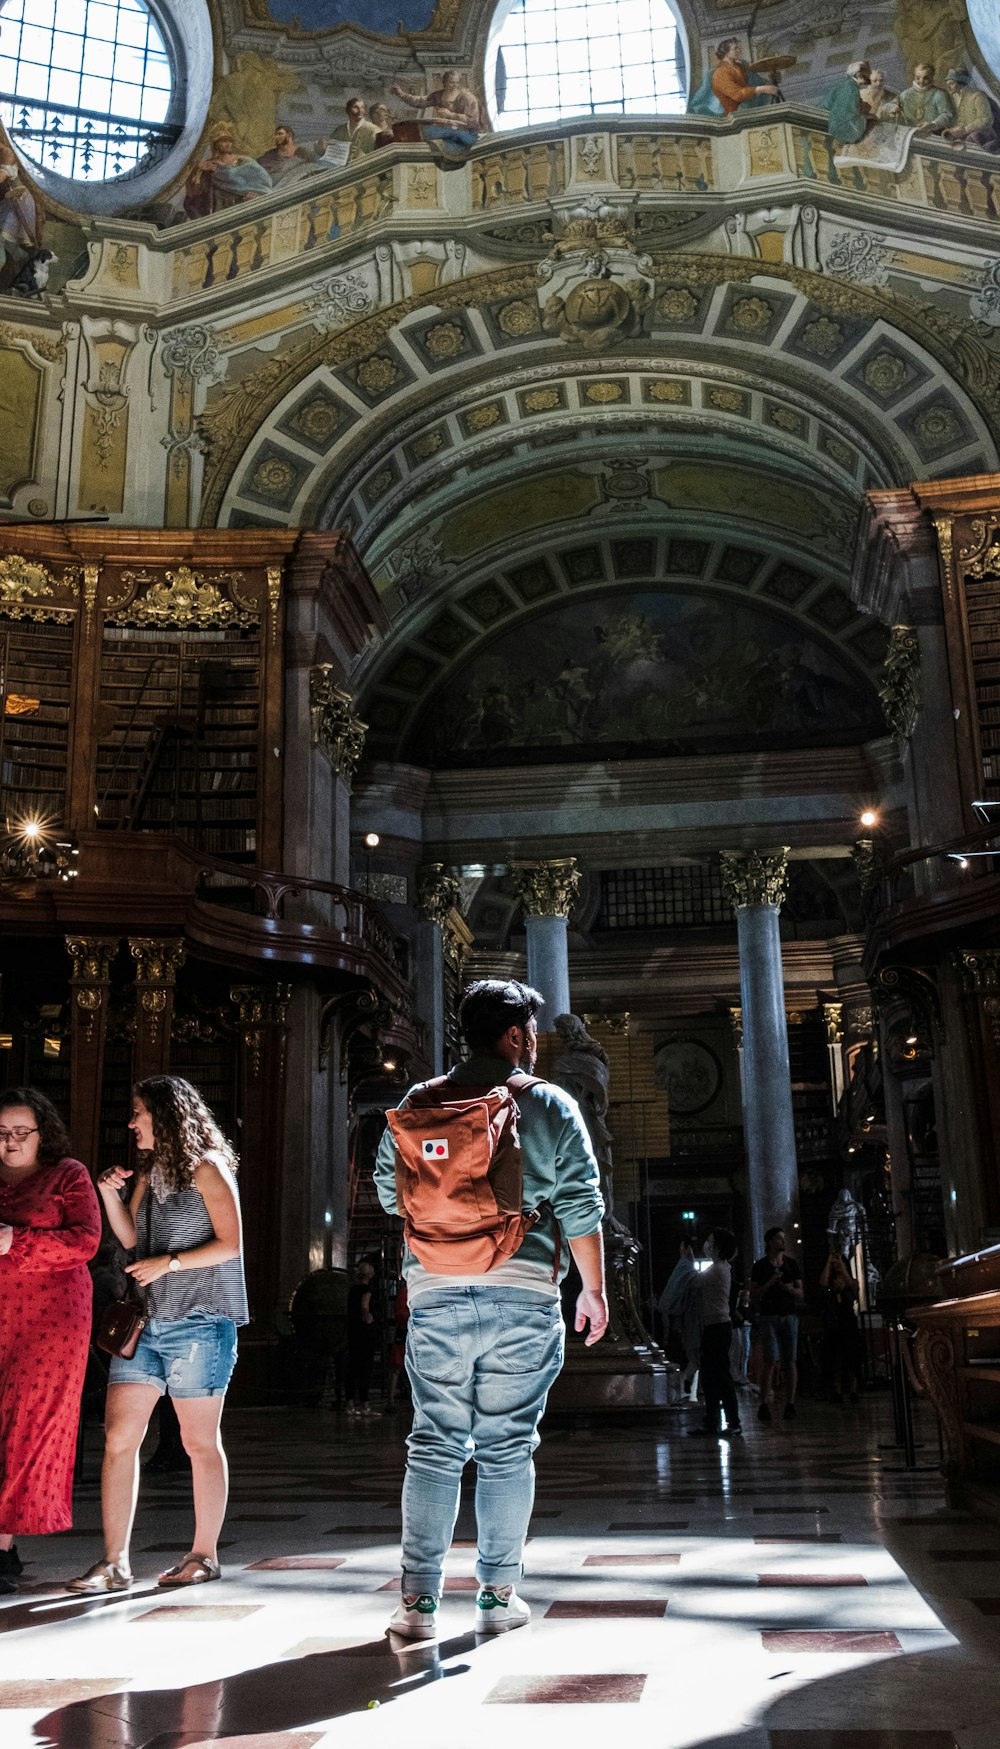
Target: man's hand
x,y
592,1307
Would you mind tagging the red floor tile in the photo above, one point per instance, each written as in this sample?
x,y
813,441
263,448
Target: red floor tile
x,y
296,1563
567,1690
579,1609
193,1614
37,1693
829,1640
821,1579
631,1560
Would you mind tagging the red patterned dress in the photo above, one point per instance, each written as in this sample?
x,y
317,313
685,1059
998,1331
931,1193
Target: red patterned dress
x,y
45,1314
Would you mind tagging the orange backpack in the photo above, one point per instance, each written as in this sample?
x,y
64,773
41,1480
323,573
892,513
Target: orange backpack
x,y
459,1182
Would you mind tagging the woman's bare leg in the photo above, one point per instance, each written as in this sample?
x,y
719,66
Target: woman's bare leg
x,y
126,1419
200,1419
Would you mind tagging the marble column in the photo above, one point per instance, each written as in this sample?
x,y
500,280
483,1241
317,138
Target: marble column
x,y
437,890
755,886
547,891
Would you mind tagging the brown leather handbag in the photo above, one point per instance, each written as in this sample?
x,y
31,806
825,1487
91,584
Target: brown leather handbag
x,y
121,1323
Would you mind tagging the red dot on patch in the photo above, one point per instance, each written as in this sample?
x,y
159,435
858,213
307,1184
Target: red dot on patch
x,y
440,1150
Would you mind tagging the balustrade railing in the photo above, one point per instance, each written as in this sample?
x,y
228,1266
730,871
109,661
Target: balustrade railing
x,y
83,144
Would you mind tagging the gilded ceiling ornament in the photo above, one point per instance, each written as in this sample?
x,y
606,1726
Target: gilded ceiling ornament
x,y
547,889
751,315
604,394
900,687
193,351
753,877
661,391
938,427
342,299
446,340
885,373
338,731
481,418
273,478
518,318
377,374
438,889
317,419
380,483
676,305
542,400
822,338
185,598
786,419
840,451
51,347
428,444
728,400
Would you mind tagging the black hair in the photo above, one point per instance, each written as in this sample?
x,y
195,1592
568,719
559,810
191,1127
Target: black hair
x,y
725,1244
491,1006
772,1233
53,1142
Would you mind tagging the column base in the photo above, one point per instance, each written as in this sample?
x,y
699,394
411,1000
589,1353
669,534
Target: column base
x,y
614,1377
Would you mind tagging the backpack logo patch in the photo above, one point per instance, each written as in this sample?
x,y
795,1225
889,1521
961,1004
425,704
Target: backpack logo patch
x,y
436,1148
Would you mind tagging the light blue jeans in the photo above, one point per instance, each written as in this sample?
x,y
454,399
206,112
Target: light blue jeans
x,y
481,1361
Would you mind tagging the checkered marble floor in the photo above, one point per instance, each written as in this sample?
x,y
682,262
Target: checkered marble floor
x,y
802,1591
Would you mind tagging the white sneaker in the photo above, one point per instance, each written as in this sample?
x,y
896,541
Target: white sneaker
x,y
498,1609
415,1618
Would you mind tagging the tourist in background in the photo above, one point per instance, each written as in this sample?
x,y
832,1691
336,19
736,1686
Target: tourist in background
x,y
842,1353
776,1294
182,1220
50,1228
362,1340
715,1286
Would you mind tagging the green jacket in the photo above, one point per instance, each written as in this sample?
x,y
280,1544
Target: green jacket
x,y
557,1162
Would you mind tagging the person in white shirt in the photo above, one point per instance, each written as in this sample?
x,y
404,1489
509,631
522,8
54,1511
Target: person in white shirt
x,y
715,1287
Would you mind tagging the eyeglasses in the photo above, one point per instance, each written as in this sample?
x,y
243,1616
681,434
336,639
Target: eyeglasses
x,y
18,1135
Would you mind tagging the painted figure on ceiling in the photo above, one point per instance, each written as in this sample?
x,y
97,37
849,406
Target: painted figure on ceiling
x,y
381,117
286,161
358,132
879,101
977,118
226,178
845,105
21,218
456,116
923,104
730,85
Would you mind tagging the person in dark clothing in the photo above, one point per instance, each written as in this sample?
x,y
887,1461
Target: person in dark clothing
x,y
362,1340
776,1292
842,1354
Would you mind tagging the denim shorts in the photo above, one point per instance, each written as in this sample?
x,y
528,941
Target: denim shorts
x,y
779,1338
184,1357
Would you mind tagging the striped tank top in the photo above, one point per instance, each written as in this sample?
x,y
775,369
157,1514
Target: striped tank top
x,y
180,1223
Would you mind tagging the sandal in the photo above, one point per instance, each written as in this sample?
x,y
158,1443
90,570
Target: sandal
x,y
205,1570
102,1576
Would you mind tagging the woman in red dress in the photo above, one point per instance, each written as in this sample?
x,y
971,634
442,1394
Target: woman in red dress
x,y
50,1226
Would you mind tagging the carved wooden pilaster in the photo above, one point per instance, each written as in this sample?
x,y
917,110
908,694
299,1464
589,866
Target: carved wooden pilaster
x,y
90,986
338,731
156,966
936,1362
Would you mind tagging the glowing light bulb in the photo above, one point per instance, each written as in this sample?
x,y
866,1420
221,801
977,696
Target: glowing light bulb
x,y
372,840
869,817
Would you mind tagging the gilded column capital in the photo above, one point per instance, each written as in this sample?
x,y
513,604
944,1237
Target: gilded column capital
x,y
437,890
754,877
259,1008
899,690
547,889
338,731
156,962
736,1023
980,969
91,976
833,1020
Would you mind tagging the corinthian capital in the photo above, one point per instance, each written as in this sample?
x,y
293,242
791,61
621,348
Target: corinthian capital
x,y
338,731
156,962
547,889
438,889
752,878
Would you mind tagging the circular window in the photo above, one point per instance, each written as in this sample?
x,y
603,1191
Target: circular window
x,y
560,58
86,86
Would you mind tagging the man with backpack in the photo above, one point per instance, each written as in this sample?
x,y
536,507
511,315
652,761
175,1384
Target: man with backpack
x,y
494,1175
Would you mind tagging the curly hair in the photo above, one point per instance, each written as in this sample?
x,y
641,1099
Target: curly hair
x,y
53,1142
184,1130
